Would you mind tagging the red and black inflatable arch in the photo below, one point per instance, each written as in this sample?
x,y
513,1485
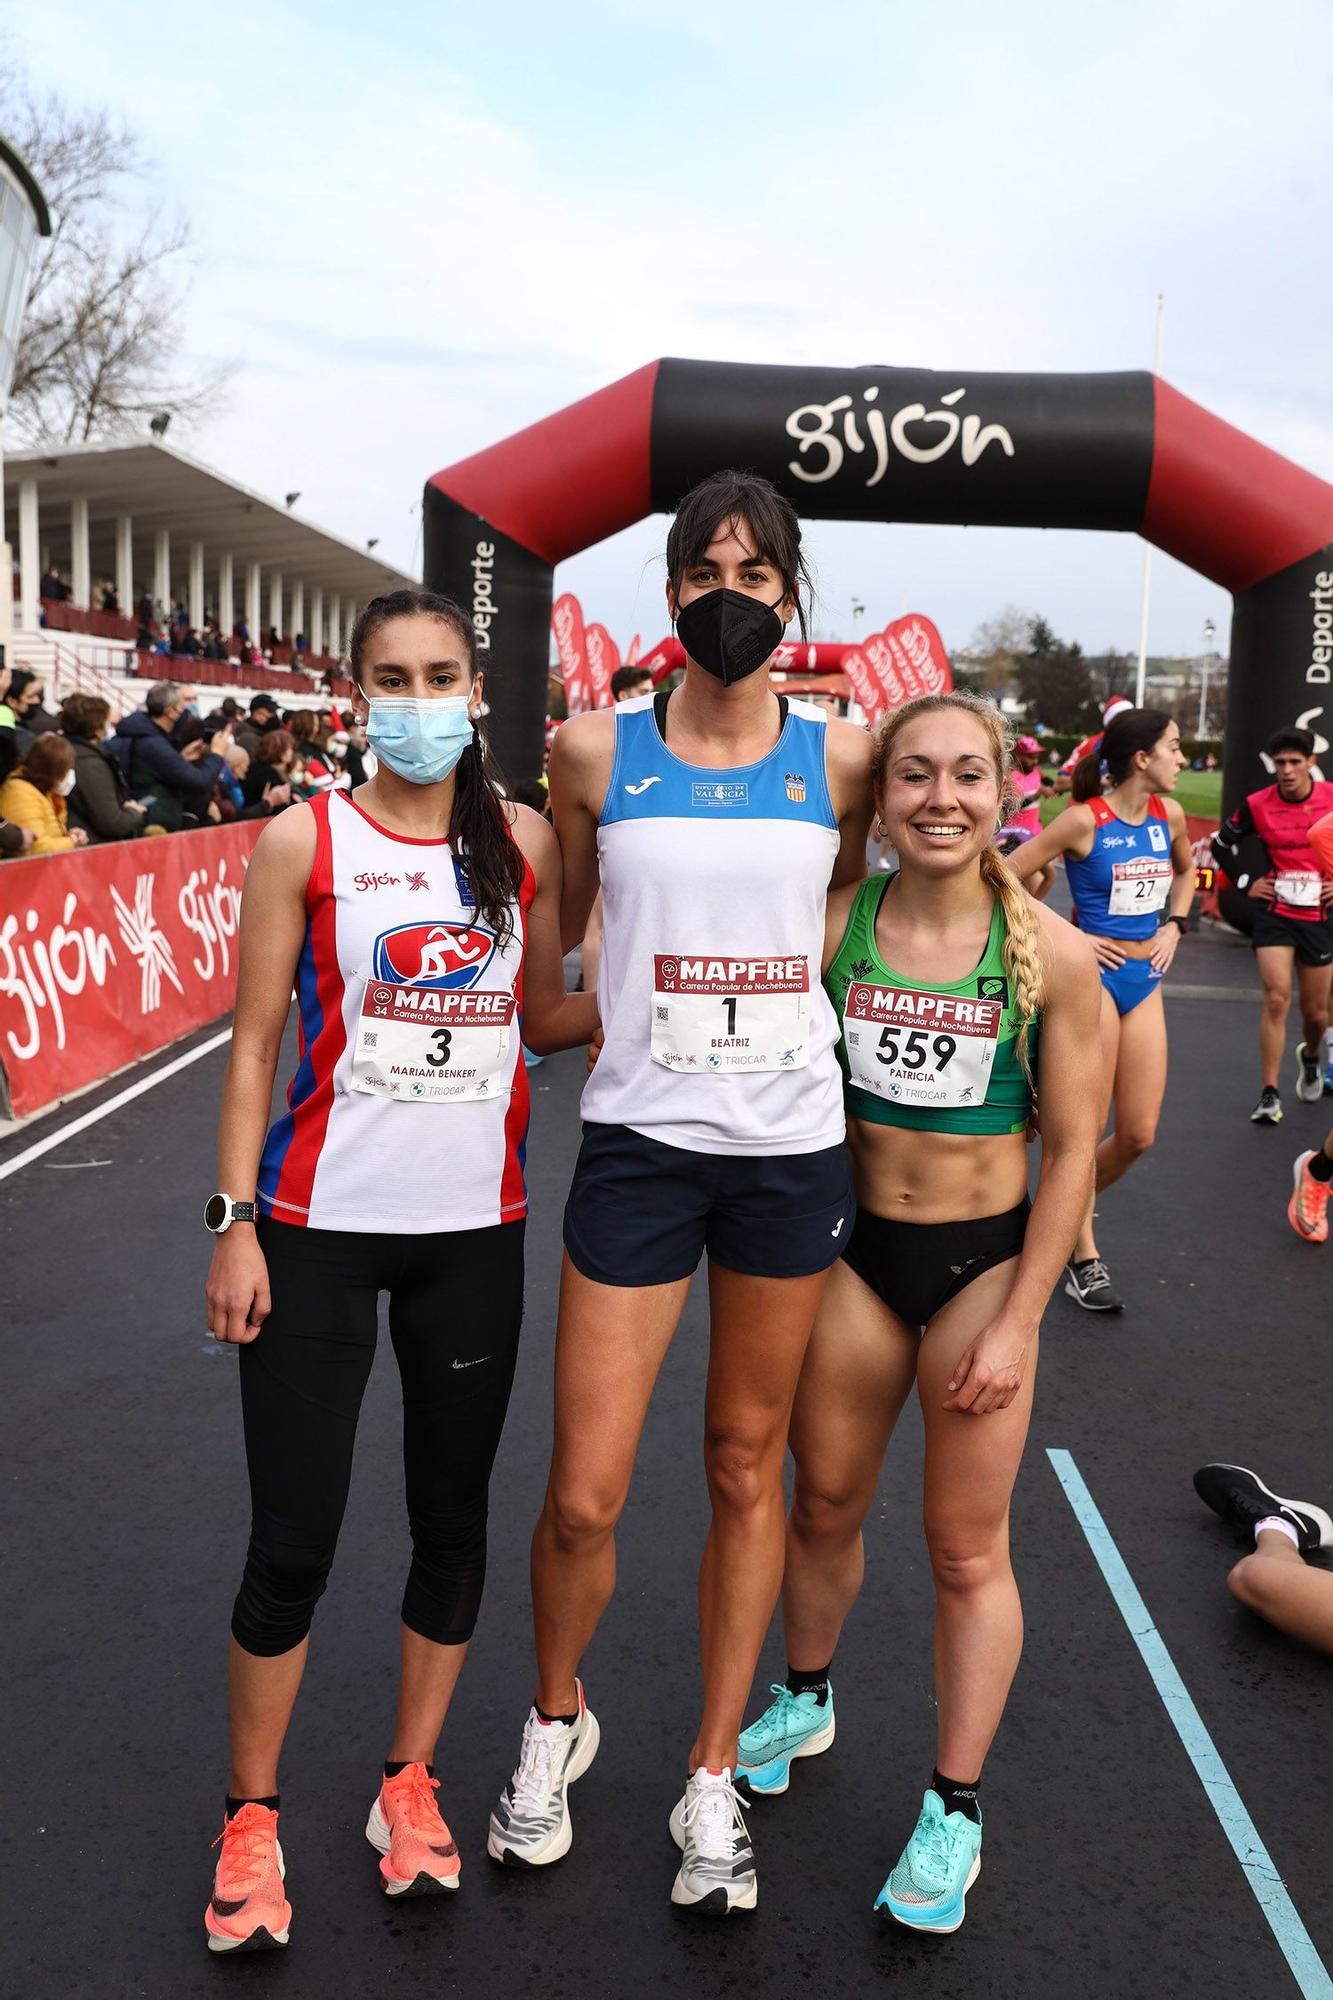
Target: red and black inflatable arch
x,y
1120,451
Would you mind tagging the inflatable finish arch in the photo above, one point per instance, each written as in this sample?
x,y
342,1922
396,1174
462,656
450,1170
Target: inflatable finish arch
x,y
1119,451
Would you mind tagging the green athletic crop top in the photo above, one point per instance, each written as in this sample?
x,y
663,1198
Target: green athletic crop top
x,y
931,1057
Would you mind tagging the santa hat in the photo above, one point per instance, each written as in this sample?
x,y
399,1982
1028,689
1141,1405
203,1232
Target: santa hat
x,y
1115,706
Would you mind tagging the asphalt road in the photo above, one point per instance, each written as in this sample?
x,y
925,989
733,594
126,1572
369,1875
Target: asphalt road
x,y
1106,1872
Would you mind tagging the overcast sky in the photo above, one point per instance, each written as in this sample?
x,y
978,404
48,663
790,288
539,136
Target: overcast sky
x,y
422,226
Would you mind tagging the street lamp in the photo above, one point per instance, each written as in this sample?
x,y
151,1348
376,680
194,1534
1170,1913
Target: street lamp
x,y
1209,633
23,218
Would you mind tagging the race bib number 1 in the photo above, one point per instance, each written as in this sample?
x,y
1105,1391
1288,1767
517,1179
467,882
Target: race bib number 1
x,y
932,1050
429,1047
729,1016
1139,888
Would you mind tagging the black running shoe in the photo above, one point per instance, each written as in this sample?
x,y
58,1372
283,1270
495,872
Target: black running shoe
x,y
1242,1499
1089,1282
1268,1111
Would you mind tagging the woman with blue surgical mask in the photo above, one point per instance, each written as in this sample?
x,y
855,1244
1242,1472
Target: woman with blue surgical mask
x,y
417,916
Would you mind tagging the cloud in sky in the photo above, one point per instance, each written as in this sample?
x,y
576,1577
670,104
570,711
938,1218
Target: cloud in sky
x,y
420,229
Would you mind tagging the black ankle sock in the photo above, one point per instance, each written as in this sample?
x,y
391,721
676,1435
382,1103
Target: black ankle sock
x,y
958,1798
233,1806
1321,1167
811,1680
394,1769
556,1718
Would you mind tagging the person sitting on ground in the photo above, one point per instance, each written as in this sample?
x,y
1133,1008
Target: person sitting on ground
x,y
1275,1580
179,783
263,717
268,781
100,802
34,795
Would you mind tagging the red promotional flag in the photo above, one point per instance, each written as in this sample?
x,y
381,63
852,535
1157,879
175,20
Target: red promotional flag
x,y
570,642
121,950
918,646
884,660
865,684
632,657
603,659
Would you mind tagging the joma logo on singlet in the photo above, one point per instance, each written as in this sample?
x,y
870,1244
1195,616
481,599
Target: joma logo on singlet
x,y
447,956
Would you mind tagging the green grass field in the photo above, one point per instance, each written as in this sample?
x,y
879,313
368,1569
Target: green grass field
x,y
1198,792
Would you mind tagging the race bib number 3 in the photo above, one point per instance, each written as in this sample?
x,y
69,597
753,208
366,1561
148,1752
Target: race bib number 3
x,y
431,1047
1139,888
1300,890
931,1050
715,1016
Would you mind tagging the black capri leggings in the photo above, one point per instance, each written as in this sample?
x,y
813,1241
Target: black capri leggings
x,y
455,1308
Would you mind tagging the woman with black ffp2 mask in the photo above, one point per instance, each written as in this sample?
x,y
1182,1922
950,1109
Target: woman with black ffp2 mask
x,y
714,820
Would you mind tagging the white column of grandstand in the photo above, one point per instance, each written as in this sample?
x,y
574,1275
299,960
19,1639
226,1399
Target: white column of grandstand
x,y
317,619
333,628
197,585
125,564
30,573
298,610
162,568
349,619
81,582
226,594
275,603
252,601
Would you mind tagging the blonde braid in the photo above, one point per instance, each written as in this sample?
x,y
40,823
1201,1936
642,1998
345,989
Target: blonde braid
x,y
1022,945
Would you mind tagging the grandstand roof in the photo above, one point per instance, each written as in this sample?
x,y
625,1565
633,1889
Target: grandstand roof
x,y
163,488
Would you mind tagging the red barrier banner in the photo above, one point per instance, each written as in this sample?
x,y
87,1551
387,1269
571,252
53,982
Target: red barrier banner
x,y
603,659
571,645
107,954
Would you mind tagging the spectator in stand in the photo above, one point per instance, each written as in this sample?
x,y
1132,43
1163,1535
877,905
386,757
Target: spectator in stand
x,y
263,717
311,733
34,795
213,646
269,780
273,640
9,754
300,644
53,588
191,645
100,802
26,699
109,600
182,733
179,784
180,617
231,709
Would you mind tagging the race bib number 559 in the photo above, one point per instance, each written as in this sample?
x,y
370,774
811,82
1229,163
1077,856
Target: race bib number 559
x,y
932,1050
715,1016
431,1047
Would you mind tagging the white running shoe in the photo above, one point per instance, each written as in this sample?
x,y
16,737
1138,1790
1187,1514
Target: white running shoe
x,y
530,1825
716,1876
1309,1076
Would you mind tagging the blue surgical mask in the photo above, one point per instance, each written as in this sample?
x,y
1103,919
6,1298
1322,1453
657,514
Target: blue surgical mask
x,y
419,740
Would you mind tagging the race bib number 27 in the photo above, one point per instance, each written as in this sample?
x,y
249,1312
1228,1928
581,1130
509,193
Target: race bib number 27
x,y
933,1050
715,1016
430,1047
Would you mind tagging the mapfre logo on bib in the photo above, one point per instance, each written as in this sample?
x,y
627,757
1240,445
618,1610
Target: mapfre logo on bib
x,y
448,957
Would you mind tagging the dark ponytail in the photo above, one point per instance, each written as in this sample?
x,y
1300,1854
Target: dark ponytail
x,y
478,829
1134,729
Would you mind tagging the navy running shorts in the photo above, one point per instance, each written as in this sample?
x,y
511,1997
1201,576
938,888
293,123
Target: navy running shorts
x,y
643,1213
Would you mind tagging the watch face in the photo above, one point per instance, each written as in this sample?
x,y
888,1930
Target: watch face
x,y
215,1211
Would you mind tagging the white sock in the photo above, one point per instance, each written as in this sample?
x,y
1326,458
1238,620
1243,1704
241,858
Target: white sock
x,y
1275,1524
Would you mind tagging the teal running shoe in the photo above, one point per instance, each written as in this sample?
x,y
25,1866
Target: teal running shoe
x,y
794,1725
927,1891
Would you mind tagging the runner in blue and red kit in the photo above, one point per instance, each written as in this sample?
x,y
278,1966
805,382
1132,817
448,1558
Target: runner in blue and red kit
x,y
1129,861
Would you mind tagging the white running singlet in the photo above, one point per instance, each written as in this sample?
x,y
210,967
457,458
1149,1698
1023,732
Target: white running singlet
x,y
408,1112
719,1035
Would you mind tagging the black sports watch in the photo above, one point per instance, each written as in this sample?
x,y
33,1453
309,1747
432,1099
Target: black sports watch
x,y
220,1211
1182,921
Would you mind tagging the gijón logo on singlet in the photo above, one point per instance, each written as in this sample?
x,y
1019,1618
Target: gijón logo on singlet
x,y
446,956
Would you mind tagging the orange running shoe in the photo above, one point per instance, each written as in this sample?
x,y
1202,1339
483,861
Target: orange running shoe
x,y
248,1910
420,1854
1307,1211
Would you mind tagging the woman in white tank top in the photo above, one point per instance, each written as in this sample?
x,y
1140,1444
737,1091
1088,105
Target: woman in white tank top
x,y
714,822
418,920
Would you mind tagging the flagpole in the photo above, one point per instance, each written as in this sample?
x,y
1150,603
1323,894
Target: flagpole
x,y
1141,679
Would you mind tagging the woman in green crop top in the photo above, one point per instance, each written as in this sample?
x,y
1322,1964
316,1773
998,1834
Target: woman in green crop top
x,y
948,981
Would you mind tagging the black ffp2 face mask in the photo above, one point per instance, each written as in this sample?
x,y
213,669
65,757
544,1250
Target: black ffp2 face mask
x,y
729,634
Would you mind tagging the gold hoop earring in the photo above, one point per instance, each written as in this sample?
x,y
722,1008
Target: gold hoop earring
x,y
881,831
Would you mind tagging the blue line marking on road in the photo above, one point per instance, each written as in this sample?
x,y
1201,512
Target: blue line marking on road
x,y
1270,1892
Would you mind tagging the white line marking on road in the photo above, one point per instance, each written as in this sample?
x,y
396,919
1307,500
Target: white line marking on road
x,y
52,1139
1270,1891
